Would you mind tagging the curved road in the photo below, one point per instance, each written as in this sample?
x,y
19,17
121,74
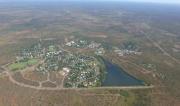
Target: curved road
x,y
56,88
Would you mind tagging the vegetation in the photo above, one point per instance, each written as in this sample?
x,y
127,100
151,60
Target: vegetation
x,y
18,66
22,64
131,27
32,62
124,93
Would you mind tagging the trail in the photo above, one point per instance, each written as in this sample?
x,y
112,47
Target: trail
x,y
49,88
8,73
62,82
57,88
161,49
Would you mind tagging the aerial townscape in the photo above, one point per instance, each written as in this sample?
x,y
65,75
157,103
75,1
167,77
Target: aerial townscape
x,y
89,53
77,69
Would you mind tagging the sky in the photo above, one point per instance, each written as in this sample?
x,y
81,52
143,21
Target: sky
x,y
153,1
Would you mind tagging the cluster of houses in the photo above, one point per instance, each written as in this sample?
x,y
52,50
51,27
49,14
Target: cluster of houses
x,y
79,69
84,78
99,49
125,52
33,52
83,44
84,67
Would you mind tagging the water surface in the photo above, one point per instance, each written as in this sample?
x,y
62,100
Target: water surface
x,y
116,76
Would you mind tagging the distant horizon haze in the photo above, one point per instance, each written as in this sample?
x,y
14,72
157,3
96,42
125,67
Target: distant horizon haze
x,y
143,1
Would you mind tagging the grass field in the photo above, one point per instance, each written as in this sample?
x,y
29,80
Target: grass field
x,y
22,65
32,61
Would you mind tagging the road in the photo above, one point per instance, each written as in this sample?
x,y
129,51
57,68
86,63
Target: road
x,y
161,49
58,88
9,74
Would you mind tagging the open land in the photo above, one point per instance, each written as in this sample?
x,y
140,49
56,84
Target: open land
x,y
32,37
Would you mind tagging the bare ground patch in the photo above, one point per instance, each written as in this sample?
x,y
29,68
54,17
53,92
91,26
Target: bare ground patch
x,y
18,77
35,75
48,84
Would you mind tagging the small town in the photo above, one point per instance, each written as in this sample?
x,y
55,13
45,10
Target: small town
x,y
89,52
80,70
100,49
79,43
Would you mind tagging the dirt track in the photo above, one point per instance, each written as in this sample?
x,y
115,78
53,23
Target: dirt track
x,y
57,88
162,50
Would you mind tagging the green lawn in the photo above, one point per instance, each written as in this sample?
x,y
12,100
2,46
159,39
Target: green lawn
x,y
32,61
18,66
22,65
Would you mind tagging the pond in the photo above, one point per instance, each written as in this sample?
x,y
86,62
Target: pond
x,y
116,76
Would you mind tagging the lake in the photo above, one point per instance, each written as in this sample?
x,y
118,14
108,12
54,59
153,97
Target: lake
x,y
116,76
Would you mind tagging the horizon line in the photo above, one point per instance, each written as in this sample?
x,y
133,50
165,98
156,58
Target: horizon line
x,y
128,1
